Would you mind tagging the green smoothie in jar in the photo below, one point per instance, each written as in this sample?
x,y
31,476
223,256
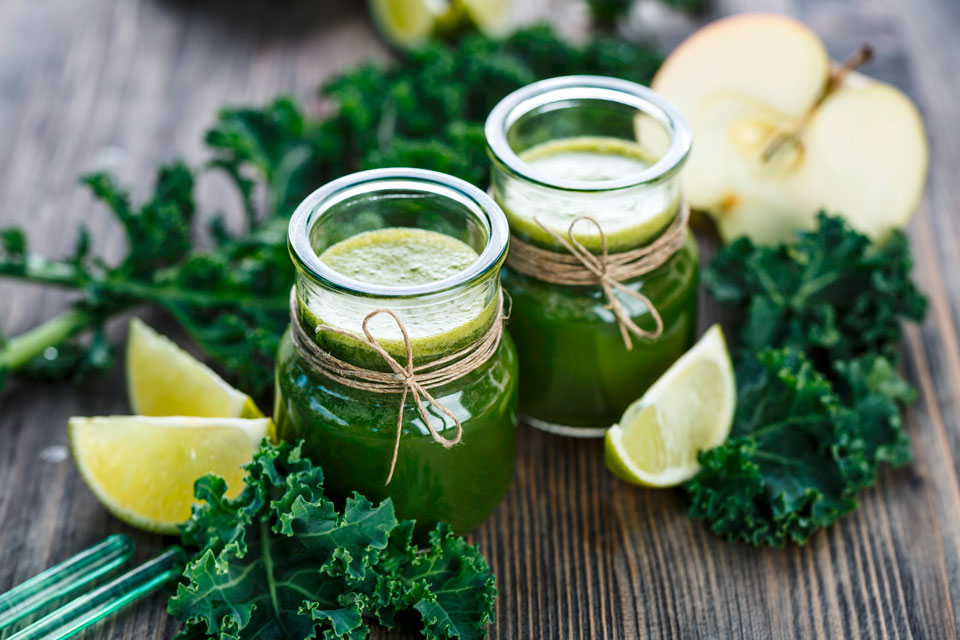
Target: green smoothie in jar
x,y
429,248
607,150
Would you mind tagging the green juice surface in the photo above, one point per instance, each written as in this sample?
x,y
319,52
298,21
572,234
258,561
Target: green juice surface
x,y
402,257
574,368
587,159
351,432
399,256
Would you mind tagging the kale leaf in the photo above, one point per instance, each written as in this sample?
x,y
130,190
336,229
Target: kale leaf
x,y
607,12
280,561
819,398
832,293
794,461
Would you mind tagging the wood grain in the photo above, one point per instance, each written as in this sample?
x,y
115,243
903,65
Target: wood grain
x,y
129,83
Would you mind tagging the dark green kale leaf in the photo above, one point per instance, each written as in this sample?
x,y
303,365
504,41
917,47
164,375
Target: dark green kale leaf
x,y
278,147
833,294
794,461
280,561
608,12
873,390
816,416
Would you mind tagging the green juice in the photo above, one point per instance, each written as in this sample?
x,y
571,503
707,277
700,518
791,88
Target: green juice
x,y
351,432
575,371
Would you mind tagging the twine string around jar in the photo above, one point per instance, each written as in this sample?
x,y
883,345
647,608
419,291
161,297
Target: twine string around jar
x,y
579,266
403,379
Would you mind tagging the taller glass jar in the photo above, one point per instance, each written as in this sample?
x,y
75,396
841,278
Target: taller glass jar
x,y
610,151
398,227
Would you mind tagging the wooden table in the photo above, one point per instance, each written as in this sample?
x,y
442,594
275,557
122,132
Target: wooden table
x,y
578,554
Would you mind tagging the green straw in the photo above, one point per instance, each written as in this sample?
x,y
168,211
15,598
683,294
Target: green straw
x,y
64,578
101,602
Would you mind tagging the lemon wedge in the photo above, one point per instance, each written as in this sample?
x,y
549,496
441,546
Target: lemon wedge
x,y
165,380
408,22
492,17
142,469
689,409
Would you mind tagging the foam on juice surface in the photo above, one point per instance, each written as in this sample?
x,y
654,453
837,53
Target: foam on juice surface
x,y
629,217
403,256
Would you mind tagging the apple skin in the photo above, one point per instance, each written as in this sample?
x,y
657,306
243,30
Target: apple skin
x,y
745,81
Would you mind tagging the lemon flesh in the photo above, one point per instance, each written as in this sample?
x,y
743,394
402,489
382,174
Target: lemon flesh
x,y
689,409
142,469
408,22
165,380
492,17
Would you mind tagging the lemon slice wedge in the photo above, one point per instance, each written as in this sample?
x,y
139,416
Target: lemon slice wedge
x,y
165,380
408,22
689,409
492,17
143,468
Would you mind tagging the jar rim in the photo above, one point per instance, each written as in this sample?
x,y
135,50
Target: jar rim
x,y
564,88
482,206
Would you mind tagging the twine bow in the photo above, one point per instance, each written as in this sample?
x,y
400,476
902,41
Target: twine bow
x,y
599,266
578,266
405,379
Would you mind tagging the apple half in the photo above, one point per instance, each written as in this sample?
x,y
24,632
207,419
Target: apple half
x,y
779,134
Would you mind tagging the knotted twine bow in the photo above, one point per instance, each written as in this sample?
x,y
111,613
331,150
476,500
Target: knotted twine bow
x,y
403,379
581,267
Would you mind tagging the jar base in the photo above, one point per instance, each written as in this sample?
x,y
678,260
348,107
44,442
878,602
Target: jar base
x,y
564,430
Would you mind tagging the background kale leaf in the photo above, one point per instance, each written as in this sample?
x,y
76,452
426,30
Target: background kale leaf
x,y
426,110
832,293
819,396
281,561
607,12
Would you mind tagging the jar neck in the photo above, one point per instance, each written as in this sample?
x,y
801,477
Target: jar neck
x,y
587,146
437,324
439,317
629,218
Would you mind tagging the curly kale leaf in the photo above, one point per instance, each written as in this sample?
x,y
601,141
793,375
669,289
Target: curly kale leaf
x,y
608,12
816,416
873,390
281,561
832,294
794,461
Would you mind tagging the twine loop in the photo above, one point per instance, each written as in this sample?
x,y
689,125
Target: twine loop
x,y
579,266
404,379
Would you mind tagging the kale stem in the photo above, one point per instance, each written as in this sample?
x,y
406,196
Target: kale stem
x,y
42,271
23,348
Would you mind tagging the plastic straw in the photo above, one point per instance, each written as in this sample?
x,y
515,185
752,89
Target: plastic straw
x,y
64,578
101,602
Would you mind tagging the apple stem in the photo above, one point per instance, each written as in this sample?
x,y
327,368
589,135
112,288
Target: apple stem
x,y
859,57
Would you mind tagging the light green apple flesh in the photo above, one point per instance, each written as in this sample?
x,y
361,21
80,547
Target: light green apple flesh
x,y
771,149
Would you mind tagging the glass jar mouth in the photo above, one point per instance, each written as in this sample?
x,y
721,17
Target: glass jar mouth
x,y
411,182
557,93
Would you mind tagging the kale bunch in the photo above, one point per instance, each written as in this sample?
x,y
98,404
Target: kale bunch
x,y
607,12
426,110
819,398
281,561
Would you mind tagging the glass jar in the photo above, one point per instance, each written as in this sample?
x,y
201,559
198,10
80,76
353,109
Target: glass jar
x,y
351,432
611,150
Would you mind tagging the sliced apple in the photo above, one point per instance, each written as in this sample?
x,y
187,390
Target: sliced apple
x,y
776,138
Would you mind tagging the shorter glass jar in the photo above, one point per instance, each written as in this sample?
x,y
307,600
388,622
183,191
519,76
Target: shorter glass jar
x,y
350,432
611,150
